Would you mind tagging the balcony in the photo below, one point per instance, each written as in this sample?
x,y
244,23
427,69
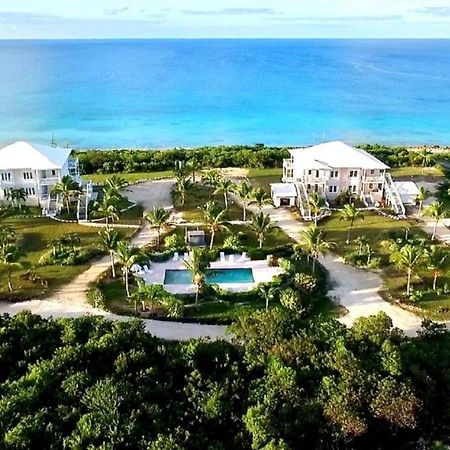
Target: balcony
x,y
373,179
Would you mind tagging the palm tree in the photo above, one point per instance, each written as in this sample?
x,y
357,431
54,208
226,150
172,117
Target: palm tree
x,y
361,242
182,186
408,257
109,240
425,156
115,184
314,243
157,218
211,177
67,189
260,197
267,292
17,196
9,255
437,212
108,208
437,262
224,186
128,256
245,192
350,214
193,165
198,266
422,195
261,224
214,218
315,204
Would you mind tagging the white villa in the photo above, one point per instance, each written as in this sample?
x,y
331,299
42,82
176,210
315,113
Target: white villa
x,y
330,169
37,169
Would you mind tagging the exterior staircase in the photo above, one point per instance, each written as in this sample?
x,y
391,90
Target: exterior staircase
x,y
83,203
393,197
303,200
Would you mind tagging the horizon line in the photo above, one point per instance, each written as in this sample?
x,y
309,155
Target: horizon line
x,y
231,38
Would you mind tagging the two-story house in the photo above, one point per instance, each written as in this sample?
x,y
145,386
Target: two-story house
x,y
332,168
36,169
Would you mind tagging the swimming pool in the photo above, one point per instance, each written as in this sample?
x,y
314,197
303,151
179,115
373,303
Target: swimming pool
x,y
173,276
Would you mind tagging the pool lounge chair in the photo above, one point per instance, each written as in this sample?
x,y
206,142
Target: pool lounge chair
x,y
186,256
231,259
135,268
222,257
146,269
176,256
243,257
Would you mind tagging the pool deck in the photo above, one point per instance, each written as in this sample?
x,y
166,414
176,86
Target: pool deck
x,y
262,273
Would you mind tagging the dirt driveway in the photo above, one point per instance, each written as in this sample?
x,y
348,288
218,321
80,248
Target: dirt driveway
x,y
151,193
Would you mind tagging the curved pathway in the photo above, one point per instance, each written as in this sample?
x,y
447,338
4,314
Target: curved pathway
x,y
70,300
355,289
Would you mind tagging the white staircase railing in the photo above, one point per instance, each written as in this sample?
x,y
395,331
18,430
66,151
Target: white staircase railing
x,y
303,201
393,196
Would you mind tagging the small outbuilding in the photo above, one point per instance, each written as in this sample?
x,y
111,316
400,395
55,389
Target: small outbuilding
x,y
408,191
283,194
196,238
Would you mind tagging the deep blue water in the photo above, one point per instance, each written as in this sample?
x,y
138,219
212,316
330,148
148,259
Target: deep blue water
x,y
212,276
162,93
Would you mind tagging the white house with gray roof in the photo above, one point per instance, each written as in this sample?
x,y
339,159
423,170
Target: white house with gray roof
x,y
332,168
37,169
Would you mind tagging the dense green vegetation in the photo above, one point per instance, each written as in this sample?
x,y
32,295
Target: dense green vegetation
x,y
100,178
256,157
88,383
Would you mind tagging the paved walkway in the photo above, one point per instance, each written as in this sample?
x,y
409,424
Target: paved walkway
x,y
70,300
442,232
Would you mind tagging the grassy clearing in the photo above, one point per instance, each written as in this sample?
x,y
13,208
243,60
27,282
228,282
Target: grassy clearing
x,y
262,178
130,177
275,238
377,228
417,172
34,235
198,197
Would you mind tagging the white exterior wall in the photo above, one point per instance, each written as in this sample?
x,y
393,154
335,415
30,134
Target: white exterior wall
x,y
37,187
366,181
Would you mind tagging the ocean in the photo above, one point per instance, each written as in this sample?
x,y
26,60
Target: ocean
x,y
166,93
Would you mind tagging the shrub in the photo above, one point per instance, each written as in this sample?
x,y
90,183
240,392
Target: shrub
x,y
172,242
174,305
305,283
285,264
291,300
95,297
232,242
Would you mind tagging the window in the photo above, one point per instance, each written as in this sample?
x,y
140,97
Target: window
x,y
334,174
6,176
308,187
53,173
28,175
30,191
380,186
332,189
353,173
370,185
372,172
353,188
317,174
309,172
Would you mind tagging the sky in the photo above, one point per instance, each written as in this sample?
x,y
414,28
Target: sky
x,y
76,19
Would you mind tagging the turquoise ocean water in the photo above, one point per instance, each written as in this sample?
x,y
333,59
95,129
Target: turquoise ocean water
x,y
163,93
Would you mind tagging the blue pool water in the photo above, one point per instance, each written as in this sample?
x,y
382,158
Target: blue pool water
x,y
164,93
212,276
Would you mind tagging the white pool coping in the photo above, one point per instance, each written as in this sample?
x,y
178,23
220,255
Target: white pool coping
x,y
262,273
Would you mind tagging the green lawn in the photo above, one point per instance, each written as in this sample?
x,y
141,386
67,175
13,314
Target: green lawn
x,y
264,177
417,172
33,235
376,228
130,177
198,197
